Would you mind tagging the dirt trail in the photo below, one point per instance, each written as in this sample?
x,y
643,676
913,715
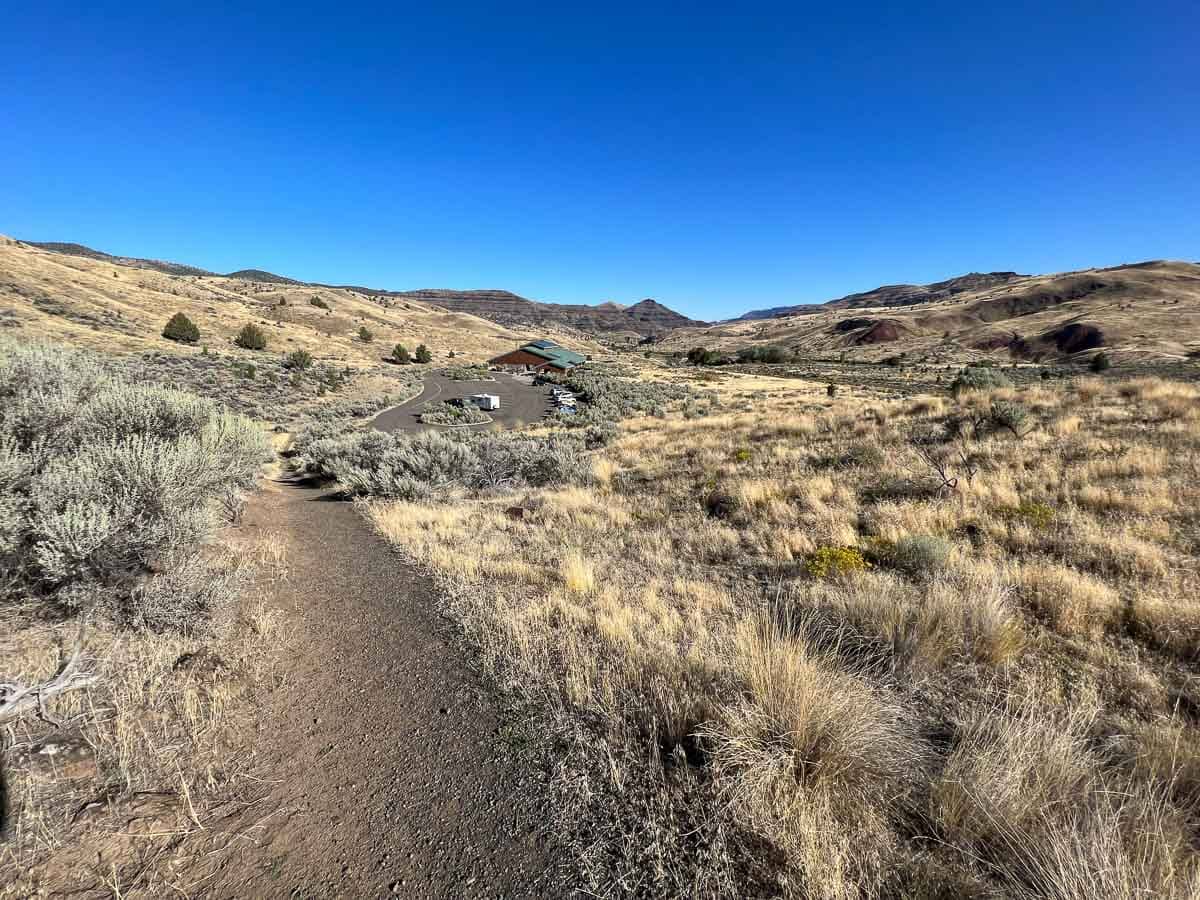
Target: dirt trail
x,y
393,777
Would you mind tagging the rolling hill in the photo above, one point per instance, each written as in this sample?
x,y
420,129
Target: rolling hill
x,y
894,295
96,300
1147,310
642,319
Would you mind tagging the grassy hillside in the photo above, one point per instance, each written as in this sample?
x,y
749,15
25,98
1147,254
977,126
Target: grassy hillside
x,y
121,311
104,306
1143,312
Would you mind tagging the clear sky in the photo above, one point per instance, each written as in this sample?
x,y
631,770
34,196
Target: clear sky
x,y
715,157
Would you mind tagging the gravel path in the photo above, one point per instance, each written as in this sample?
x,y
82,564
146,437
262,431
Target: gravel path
x,y
520,402
394,778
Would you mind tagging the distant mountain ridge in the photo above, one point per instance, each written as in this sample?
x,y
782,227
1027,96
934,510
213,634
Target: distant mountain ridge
x,y
158,265
645,318
1145,311
893,295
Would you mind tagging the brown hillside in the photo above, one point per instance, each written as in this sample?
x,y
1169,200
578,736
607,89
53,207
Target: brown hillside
x,y
645,318
97,301
1144,311
614,321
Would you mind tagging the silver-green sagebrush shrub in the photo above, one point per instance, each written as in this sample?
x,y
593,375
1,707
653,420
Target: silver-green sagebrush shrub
x,y
920,556
979,378
103,482
187,597
429,464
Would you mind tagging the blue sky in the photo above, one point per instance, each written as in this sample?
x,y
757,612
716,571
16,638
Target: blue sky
x,y
717,158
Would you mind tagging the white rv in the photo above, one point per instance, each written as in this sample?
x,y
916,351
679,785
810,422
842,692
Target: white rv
x,y
485,401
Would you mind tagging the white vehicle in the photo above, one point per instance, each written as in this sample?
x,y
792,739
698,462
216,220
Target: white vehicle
x,y
485,401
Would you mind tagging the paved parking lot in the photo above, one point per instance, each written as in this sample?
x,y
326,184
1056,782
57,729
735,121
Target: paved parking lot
x,y
520,402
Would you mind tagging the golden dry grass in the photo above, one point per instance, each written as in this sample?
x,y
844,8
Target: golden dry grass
x,y
1038,616
113,308
168,721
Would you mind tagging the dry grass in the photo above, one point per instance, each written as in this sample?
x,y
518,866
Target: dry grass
x,y
1145,312
1035,617
112,308
159,741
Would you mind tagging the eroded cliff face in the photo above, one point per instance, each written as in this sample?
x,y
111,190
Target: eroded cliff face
x,y
647,317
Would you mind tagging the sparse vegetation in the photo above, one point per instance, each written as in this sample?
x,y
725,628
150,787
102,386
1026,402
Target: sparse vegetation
x,y
467,373
989,654
365,334
446,413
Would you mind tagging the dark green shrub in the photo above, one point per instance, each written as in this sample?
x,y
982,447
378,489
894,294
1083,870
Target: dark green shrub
x,y
365,335
299,360
400,354
318,302
423,354
701,356
764,354
1100,363
180,328
251,337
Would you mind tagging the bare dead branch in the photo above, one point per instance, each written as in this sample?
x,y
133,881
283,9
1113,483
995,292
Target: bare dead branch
x,y
940,470
17,699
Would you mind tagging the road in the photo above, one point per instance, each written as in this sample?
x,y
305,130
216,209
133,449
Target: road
x,y
520,402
